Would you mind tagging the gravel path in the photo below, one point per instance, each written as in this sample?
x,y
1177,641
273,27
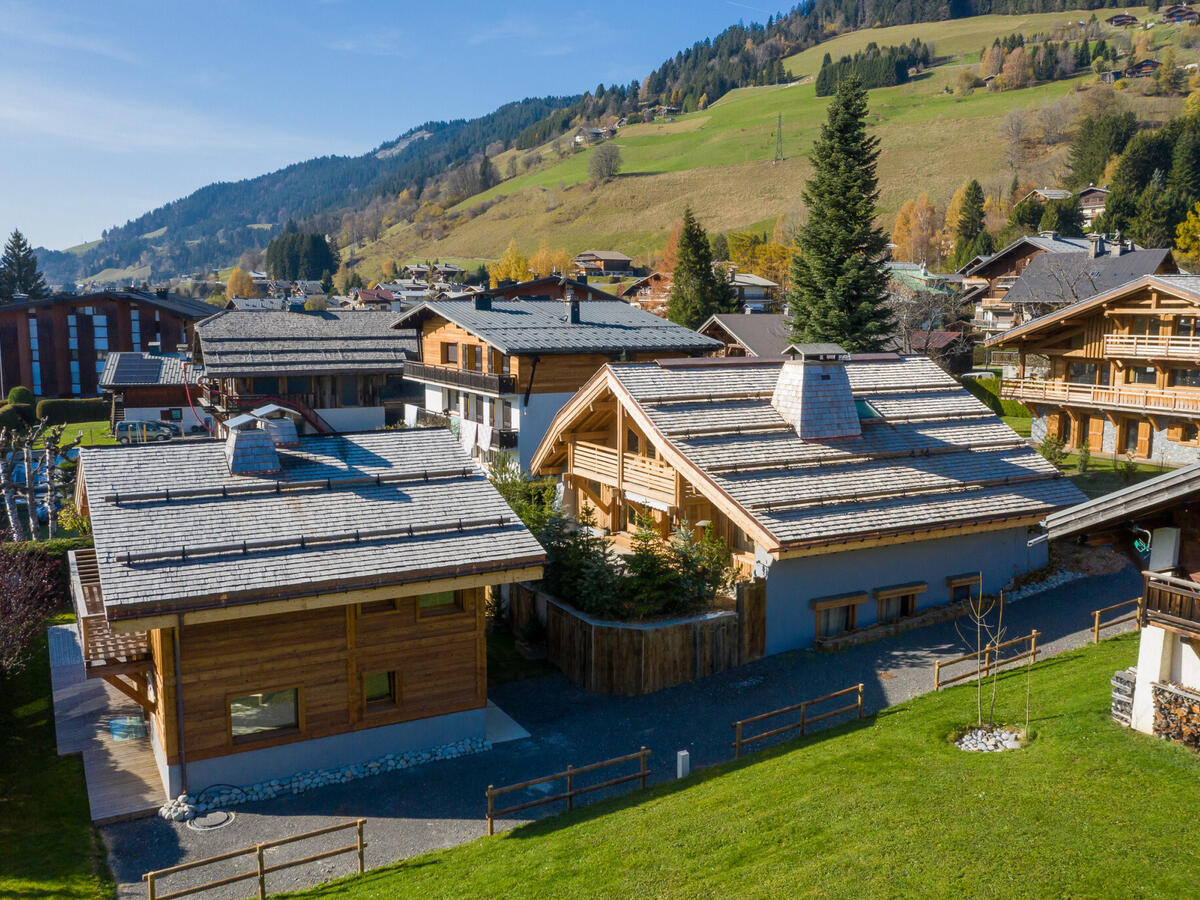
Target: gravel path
x,y
442,804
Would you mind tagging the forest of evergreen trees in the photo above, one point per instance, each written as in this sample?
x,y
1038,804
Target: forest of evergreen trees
x,y
875,66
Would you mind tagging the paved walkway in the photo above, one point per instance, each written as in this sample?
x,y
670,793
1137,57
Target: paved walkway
x,y
442,804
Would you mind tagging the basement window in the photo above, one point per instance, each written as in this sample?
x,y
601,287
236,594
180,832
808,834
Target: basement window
x,y
965,587
837,615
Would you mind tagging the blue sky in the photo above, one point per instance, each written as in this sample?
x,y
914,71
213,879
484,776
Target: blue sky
x,y
110,109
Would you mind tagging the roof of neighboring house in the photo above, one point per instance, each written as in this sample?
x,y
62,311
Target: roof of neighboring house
x,y
538,325
609,255
1182,285
263,303
1128,503
918,278
141,369
1049,243
1047,193
581,289
1066,277
631,289
245,344
1093,190
762,334
930,455
177,304
924,341
336,516
745,279
375,295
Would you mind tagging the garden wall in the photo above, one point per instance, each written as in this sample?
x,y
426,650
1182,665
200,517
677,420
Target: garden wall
x,y
631,658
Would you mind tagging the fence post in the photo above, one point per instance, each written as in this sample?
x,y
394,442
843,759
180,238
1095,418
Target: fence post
x,y
1137,623
937,674
262,876
360,845
151,887
1033,636
803,717
643,773
570,787
737,744
491,809
1096,627
860,693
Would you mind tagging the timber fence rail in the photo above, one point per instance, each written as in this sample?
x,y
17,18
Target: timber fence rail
x,y
261,869
987,659
1134,616
572,791
741,739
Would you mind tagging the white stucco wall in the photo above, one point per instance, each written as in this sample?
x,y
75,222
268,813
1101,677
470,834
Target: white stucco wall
x,y
534,419
1162,656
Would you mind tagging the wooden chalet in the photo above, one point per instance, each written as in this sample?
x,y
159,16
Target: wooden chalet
x,y
650,293
760,334
278,603
1122,20
1124,374
152,387
1143,69
603,262
497,370
341,368
861,488
1092,201
549,287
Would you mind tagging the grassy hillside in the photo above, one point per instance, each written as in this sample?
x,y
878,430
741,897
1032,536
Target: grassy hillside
x,y
720,160
883,808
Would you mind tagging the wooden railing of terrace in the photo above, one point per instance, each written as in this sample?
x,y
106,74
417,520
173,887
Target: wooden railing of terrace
x,y
1171,603
1125,397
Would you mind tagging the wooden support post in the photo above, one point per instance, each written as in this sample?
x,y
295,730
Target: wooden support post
x,y
360,824
1096,627
570,787
491,808
737,741
860,696
151,887
937,674
643,771
262,876
1033,636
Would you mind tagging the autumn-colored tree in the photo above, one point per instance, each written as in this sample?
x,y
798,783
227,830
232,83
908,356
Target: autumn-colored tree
x,y
743,248
1187,237
1017,71
916,232
512,266
548,262
773,260
389,268
991,61
670,254
240,285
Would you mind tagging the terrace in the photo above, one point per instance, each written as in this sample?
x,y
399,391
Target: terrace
x,y
1129,398
1172,603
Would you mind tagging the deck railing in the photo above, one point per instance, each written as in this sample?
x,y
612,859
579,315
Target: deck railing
x,y
102,647
641,475
1171,602
1126,397
479,381
1152,346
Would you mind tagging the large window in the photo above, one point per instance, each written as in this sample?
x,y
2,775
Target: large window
x,y
1088,373
1146,325
381,690
259,715
1187,326
837,615
439,603
1141,375
135,327
1185,378
450,354
35,355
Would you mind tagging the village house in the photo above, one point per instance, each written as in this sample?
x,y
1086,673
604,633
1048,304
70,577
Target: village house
x,y
258,304
603,262
152,387
58,346
342,368
549,287
1122,20
761,334
865,490
755,293
1142,69
1045,195
1179,13
277,603
1091,204
1123,373
650,292
496,370
1157,522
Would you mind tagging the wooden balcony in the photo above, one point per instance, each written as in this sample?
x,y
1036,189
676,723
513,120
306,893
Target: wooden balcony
x,y
1128,398
1171,603
451,377
637,474
1152,346
105,652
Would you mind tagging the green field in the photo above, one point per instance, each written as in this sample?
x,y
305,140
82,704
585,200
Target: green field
x,y
883,808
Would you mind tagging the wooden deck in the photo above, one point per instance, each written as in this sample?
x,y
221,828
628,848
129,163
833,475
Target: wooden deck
x,y
122,776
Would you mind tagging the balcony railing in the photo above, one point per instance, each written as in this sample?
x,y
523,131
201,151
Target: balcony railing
x,y
641,475
502,438
104,651
1152,346
1124,397
479,381
1171,602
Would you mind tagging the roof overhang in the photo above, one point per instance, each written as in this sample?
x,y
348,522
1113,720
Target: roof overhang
x,y
1155,495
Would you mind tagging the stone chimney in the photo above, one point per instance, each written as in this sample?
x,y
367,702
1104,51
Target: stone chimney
x,y
483,302
1118,245
813,393
1095,245
249,450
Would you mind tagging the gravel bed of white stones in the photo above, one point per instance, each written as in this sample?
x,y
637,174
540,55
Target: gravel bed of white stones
x,y
187,806
986,740
1062,576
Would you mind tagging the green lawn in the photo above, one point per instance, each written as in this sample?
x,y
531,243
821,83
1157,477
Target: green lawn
x,y
886,807
1103,478
95,434
1018,424
48,847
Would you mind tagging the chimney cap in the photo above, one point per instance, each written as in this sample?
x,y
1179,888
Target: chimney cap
x,y
822,352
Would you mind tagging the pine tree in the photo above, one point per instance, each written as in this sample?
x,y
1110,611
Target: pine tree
x,y
838,276
19,270
697,292
969,228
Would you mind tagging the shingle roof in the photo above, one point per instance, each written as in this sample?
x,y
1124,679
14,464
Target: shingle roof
x,y
762,334
933,457
184,307
1055,244
302,533
611,255
133,369
538,325
245,344
1066,277
1128,503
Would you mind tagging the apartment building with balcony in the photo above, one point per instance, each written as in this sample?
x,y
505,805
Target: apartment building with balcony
x,y
868,491
1124,370
496,370
993,277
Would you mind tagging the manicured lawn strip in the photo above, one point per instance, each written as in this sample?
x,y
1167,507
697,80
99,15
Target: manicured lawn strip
x,y
1019,425
95,434
1101,478
886,807
48,847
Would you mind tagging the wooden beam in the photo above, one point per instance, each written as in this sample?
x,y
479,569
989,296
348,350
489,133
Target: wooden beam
x,y
131,691
906,538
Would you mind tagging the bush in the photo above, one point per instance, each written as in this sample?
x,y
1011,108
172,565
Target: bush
x,y
987,392
1085,459
29,590
21,395
11,417
63,412
1052,448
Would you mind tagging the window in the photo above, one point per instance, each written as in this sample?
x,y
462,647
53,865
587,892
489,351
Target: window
x,y
174,414
476,357
260,715
836,615
135,327
450,354
964,587
451,400
376,606
1189,434
1187,326
298,384
1184,378
348,390
381,690
897,602
264,385
439,603
507,418
1147,325
1130,444
35,355
1141,375
1087,373
632,443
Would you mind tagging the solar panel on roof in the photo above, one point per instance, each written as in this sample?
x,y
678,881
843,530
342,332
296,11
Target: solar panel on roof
x,y
134,368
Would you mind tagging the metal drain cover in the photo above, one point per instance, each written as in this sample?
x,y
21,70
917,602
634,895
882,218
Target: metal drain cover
x,y
218,818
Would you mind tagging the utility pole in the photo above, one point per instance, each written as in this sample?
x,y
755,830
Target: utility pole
x,y
778,139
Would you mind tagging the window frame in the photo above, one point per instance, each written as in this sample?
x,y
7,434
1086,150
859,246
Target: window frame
x,y
378,607
457,607
913,590
973,579
821,604
387,704
260,736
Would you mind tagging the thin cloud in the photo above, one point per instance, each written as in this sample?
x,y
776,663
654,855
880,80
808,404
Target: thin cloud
x,y
386,42
20,23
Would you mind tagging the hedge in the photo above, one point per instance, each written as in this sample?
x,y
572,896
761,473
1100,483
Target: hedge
x,y
18,416
21,395
987,392
63,412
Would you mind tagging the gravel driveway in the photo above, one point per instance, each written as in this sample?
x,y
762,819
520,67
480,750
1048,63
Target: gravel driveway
x,y
442,804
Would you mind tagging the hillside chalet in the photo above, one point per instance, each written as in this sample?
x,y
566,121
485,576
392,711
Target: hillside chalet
x,y
1092,200
603,262
151,387
279,603
497,370
650,293
1124,373
549,287
866,490
1122,20
342,368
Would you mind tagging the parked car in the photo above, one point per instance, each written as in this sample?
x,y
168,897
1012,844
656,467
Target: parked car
x,y
134,432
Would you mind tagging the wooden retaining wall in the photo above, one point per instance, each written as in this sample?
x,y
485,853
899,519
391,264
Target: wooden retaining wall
x,y
630,658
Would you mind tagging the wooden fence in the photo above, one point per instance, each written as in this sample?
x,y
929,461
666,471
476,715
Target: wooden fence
x,y
261,869
741,740
1134,616
992,658
571,792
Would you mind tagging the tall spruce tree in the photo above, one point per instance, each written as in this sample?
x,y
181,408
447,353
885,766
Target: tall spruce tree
x,y
971,239
19,270
697,292
838,275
